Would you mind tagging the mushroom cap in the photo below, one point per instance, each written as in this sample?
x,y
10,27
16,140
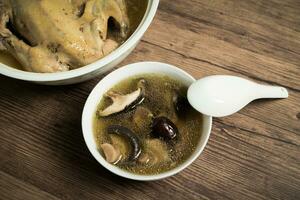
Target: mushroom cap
x,y
131,137
122,102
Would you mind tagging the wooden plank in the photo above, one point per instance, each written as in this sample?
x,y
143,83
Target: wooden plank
x,y
254,154
245,20
203,47
12,188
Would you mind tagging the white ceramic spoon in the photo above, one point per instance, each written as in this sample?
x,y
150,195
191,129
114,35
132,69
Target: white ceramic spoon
x,y
222,95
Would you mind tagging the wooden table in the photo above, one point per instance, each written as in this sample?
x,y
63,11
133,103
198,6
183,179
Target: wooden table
x,y
254,154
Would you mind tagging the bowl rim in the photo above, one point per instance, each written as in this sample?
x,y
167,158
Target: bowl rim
x,y
92,103
58,76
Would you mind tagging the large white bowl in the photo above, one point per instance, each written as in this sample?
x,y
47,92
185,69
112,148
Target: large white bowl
x,y
112,79
92,70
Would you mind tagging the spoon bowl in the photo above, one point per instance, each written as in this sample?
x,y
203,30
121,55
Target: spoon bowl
x,y
222,95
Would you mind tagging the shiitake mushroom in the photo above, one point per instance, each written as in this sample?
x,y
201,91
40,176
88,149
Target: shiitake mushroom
x,y
181,105
122,102
164,128
131,137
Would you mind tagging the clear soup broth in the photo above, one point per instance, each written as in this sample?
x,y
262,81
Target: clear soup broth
x,y
153,150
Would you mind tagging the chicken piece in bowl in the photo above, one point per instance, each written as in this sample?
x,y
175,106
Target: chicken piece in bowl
x,y
60,35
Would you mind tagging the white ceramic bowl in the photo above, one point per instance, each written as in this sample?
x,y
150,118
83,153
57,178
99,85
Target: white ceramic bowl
x,y
112,79
92,70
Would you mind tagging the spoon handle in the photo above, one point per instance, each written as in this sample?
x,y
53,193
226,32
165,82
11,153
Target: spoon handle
x,y
265,91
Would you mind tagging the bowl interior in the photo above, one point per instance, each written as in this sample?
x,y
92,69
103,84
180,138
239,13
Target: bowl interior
x,y
112,79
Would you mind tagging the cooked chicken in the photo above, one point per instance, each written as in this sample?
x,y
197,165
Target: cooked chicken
x,y
59,35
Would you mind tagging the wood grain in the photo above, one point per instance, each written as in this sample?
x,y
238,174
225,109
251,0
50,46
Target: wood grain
x,y
254,154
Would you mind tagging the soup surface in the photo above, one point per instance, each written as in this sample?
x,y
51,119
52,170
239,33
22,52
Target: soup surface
x,y
136,10
9,60
163,101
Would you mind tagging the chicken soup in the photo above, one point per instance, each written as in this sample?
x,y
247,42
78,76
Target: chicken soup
x,y
145,124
